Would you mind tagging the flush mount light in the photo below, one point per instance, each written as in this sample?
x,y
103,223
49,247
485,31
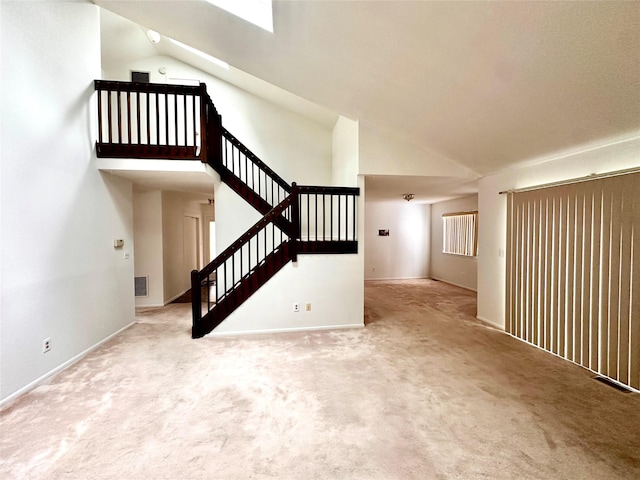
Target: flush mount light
x,y
195,51
408,196
153,36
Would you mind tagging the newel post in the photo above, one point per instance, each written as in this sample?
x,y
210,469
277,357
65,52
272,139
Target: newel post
x,y
295,221
203,122
196,303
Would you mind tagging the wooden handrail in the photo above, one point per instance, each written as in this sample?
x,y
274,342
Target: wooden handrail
x,y
254,158
250,233
116,86
311,189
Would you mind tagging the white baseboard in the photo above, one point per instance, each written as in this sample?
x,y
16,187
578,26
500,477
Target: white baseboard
x,y
454,284
59,368
284,330
489,322
167,302
394,278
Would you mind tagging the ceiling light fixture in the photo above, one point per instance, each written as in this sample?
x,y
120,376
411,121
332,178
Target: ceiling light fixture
x,y
408,196
206,56
153,36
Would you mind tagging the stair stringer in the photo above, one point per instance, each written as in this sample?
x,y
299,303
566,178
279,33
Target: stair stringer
x,y
249,285
247,194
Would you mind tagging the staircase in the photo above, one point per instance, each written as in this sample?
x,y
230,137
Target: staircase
x,y
158,121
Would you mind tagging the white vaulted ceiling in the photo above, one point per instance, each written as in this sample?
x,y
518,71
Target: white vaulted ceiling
x,y
486,84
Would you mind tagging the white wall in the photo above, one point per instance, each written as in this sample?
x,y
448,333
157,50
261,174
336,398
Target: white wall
x,y
456,269
331,283
493,207
345,153
61,276
405,252
384,154
297,148
147,232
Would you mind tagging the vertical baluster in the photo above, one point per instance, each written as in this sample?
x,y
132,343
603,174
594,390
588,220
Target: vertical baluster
x,y
324,217
148,120
308,216
353,197
138,117
128,117
225,278
346,217
233,160
217,280
175,117
184,114
109,116
339,217
208,291
246,169
233,163
157,118
226,153
166,119
100,116
316,223
119,93
195,131
331,215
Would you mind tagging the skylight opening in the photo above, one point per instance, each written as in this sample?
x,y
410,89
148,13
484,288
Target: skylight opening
x,y
197,52
258,12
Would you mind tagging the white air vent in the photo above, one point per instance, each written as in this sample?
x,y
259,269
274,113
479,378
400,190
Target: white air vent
x,y
141,284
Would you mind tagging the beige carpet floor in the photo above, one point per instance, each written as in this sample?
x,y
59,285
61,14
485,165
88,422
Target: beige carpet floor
x,y
425,391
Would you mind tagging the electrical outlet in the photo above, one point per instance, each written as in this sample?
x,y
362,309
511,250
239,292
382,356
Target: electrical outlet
x,y
296,307
308,307
46,345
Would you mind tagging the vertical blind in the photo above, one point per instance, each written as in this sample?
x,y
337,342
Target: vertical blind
x,y
459,233
573,273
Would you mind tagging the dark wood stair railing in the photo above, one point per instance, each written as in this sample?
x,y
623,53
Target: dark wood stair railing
x,y
148,120
323,220
250,177
240,270
140,120
328,221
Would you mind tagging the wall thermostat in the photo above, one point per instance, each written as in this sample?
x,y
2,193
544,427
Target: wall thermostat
x,y
118,243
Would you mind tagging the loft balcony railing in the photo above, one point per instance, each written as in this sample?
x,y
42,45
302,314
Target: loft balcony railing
x,y
149,120
328,221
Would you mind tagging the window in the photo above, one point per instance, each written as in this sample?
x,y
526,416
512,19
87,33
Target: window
x,y
258,12
460,233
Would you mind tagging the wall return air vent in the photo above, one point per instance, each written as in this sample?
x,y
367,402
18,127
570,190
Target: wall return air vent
x,y
140,285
